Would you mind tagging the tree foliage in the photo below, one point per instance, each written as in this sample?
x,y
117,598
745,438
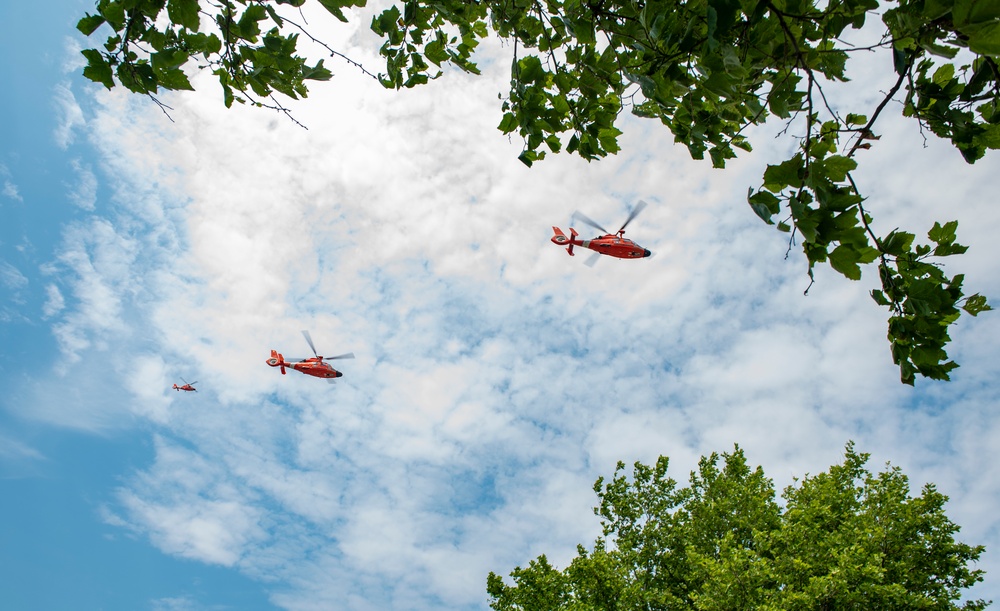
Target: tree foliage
x,y
843,539
706,69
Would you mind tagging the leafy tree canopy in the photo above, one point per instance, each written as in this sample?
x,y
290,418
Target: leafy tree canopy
x,y
706,69
844,539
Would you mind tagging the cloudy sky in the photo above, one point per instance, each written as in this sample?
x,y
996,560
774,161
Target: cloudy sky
x,y
496,378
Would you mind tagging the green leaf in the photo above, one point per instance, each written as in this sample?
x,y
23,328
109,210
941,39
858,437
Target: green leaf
x,y
174,79
719,156
838,166
897,243
434,51
184,13
943,75
899,62
206,44
743,144
943,234
935,9
979,20
845,260
508,123
137,77
88,24
880,298
529,69
764,204
98,69
807,221
114,12
168,59
785,174
941,50
316,73
907,372
385,23
333,6
974,304
227,95
249,23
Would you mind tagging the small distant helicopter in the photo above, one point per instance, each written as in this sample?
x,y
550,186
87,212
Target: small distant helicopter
x,y
187,386
315,366
610,244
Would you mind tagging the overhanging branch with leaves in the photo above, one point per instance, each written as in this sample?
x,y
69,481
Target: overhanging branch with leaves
x,y
706,69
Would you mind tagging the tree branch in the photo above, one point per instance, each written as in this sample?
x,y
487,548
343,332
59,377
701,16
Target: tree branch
x,y
892,92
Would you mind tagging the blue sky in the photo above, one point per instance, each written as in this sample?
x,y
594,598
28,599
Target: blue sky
x,y
496,378
55,480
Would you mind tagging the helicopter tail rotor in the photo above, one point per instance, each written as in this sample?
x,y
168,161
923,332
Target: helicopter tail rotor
x,y
562,239
277,360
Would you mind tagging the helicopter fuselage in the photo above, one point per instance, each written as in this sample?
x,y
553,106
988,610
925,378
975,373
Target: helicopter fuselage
x,y
612,244
315,366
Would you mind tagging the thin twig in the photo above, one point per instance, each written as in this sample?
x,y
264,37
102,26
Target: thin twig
x,y
871,122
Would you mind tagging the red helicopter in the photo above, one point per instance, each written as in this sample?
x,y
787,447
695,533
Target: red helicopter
x,y
187,386
315,366
610,244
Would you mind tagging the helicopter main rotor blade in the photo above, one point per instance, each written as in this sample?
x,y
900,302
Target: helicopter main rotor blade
x,y
635,212
309,339
346,355
592,259
586,219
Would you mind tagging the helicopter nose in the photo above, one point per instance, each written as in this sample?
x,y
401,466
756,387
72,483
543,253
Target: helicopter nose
x,y
646,253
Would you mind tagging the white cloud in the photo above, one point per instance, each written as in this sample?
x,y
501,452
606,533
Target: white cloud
x,y
9,188
17,457
11,277
496,377
13,283
54,302
11,448
85,193
70,115
84,395
175,603
99,259
189,510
